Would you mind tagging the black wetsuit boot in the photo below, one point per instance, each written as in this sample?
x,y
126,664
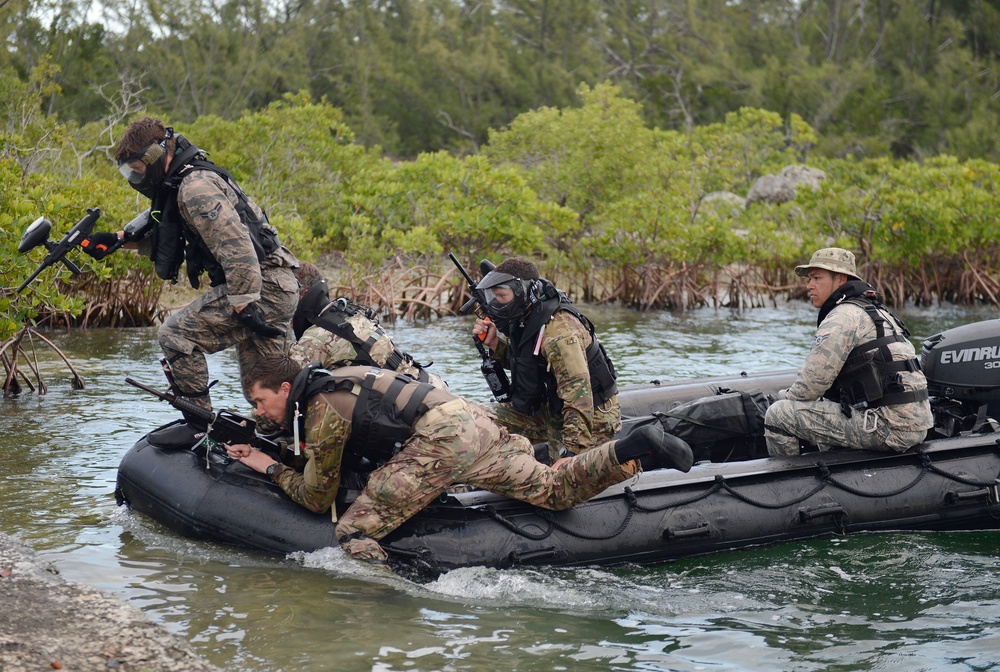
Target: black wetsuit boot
x,y
655,449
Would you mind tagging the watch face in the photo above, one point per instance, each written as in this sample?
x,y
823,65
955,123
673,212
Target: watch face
x,y
271,468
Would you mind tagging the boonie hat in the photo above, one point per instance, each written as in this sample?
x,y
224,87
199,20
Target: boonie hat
x,y
834,259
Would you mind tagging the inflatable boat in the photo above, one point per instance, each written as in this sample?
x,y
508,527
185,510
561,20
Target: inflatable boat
x,y
735,496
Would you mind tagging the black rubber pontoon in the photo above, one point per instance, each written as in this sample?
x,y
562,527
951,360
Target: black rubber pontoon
x,y
733,498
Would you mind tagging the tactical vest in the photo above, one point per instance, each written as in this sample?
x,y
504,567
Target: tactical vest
x,y
385,409
334,319
174,242
870,378
532,383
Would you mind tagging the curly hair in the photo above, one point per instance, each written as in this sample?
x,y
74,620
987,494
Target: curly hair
x,y
141,133
307,274
519,268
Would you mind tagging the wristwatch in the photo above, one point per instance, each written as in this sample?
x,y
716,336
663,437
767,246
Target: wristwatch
x,y
274,469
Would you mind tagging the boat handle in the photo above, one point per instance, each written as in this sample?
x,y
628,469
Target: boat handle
x,y
701,530
990,493
522,557
805,515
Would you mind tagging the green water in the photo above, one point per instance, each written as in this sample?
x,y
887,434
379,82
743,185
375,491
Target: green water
x,y
888,601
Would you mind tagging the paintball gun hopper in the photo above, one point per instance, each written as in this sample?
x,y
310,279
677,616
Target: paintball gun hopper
x,y
37,234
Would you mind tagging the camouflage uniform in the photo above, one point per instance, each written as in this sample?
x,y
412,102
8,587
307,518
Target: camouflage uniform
x,y
454,442
209,324
319,344
580,426
804,414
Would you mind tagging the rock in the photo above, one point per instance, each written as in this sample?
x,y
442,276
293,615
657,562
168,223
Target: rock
x,y
771,189
781,188
799,175
724,198
48,623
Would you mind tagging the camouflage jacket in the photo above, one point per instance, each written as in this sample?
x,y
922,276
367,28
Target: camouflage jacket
x,y
326,434
208,205
564,346
319,344
846,327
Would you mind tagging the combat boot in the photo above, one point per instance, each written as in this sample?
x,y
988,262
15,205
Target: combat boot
x,y
655,449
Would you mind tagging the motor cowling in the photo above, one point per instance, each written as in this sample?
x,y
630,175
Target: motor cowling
x,y
963,364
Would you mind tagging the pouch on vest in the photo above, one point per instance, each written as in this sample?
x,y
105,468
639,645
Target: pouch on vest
x,y
865,386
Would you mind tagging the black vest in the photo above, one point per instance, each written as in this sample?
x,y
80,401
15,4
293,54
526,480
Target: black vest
x,y
174,242
532,384
870,378
381,421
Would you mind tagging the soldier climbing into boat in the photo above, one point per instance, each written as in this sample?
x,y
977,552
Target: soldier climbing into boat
x,y
563,386
861,385
201,217
416,441
342,333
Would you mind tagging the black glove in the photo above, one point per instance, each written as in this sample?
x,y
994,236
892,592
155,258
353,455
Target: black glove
x,y
253,319
100,244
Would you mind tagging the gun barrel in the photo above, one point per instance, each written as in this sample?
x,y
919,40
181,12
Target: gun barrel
x,y
31,277
461,269
175,401
146,388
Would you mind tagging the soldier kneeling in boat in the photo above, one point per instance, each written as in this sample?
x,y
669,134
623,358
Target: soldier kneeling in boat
x,y
861,385
417,441
342,333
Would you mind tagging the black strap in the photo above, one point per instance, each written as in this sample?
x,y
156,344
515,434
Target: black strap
x,y
898,398
416,407
361,419
394,360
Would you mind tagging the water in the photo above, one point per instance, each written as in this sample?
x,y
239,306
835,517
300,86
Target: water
x,y
892,601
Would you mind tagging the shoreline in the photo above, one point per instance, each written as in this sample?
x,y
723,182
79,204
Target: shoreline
x,y
50,623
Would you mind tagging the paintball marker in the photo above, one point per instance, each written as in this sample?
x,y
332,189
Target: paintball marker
x,y
38,234
494,374
223,426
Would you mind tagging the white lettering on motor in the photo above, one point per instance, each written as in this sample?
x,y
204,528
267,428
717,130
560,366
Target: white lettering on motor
x,y
989,352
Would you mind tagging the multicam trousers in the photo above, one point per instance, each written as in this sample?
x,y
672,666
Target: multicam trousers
x,y
458,442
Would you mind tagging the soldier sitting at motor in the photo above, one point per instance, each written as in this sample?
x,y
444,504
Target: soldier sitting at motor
x,y
563,388
417,440
861,385
342,333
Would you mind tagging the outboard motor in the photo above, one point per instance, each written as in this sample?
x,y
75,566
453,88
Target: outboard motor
x,y
962,366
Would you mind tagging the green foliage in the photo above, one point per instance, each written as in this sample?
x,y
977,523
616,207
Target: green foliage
x,y
899,77
26,134
21,202
595,193
905,213
298,160
578,157
439,203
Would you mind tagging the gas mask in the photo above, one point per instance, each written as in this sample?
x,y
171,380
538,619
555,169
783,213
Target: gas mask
x,y
146,169
507,298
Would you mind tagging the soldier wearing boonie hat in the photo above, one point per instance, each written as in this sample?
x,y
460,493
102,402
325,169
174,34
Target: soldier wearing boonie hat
x,y
833,259
861,385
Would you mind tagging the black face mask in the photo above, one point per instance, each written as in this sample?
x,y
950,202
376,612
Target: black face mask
x,y
504,315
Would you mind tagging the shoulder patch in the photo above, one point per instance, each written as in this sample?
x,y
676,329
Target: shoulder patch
x,y
819,339
213,213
